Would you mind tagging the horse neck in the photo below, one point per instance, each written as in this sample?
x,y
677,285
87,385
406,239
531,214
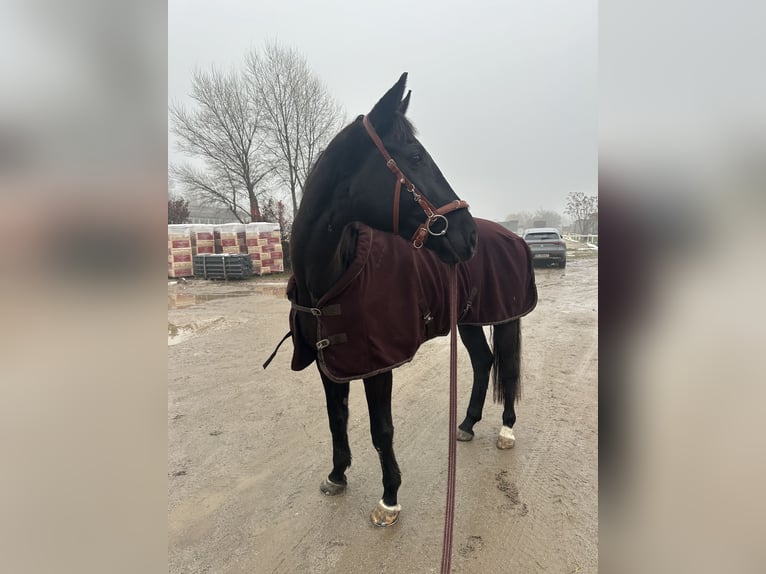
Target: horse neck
x,y
321,246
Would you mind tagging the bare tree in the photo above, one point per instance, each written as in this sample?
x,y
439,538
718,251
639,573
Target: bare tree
x,y
582,208
551,218
523,219
178,210
300,115
225,132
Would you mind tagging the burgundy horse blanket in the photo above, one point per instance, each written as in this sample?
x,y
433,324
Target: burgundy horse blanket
x,y
393,298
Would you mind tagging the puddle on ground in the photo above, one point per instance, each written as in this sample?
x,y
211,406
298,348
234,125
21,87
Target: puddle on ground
x,y
183,300
179,333
273,289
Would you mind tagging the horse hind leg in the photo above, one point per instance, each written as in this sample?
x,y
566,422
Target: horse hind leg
x,y
336,395
378,392
506,377
481,361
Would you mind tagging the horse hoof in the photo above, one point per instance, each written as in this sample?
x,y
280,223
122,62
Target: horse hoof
x,y
505,439
464,436
384,515
330,488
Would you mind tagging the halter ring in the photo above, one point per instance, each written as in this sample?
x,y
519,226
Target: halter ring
x,y
431,221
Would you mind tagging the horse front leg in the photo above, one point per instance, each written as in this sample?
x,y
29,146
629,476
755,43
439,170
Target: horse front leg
x,y
378,392
336,395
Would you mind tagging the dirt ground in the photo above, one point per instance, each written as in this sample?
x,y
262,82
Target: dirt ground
x,y
247,448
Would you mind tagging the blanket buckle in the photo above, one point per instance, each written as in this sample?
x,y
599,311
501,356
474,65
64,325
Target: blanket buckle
x,y
323,344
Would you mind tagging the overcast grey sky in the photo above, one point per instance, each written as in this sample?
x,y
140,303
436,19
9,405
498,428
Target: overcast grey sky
x,y
504,94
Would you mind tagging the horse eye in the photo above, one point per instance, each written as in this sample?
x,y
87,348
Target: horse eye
x,y
416,158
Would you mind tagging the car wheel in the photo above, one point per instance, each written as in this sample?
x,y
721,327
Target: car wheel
x,y
563,263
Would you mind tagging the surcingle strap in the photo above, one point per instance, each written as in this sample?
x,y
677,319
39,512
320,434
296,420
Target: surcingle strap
x,y
469,302
428,318
274,354
327,311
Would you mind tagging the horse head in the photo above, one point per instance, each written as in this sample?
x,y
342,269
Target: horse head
x,y
398,187
377,172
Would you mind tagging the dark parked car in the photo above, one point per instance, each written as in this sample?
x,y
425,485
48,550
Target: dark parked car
x,y
546,244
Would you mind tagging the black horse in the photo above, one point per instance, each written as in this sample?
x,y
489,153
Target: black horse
x,y
351,198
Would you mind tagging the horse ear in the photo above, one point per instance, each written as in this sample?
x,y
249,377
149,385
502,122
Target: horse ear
x,y
382,114
405,103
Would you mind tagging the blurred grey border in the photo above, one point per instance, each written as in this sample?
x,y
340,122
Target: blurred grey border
x,y
83,155
682,186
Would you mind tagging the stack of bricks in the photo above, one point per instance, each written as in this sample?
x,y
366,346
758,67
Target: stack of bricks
x,y
262,241
203,239
180,251
230,238
264,244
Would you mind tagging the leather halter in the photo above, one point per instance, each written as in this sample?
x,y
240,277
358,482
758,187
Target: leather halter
x,y
433,215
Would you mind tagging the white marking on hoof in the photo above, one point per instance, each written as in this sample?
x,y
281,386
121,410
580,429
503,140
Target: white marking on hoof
x,y
384,515
505,439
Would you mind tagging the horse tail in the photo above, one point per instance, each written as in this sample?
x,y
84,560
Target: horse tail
x,y
506,367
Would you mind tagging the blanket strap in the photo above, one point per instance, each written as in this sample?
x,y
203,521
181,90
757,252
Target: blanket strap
x,y
328,311
331,340
469,302
274,354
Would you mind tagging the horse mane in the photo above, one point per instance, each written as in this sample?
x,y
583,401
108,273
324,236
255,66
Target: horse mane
x,y
337,161
334,166
346,251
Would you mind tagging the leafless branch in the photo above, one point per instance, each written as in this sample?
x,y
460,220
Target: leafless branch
x,y
253,130
224,131
299,114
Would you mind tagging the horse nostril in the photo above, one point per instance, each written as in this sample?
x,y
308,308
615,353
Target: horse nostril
x,y
473,239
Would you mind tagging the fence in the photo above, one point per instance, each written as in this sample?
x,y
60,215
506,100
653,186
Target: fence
x,y
582,238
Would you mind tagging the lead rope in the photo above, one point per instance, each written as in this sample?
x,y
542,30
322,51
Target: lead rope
x,y
449,513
